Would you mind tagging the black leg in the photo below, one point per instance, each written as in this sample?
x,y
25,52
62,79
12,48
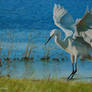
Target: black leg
x,y
72,75
72,71
72,58
76,67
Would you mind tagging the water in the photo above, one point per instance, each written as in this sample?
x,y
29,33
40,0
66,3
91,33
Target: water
x,y
28,23
36,13
46,70
37,68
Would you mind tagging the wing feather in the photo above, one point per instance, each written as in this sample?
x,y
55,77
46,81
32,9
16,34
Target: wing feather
x,y
63,19
88,36
85,23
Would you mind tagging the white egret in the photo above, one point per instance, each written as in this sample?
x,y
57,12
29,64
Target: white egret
x,y
74,43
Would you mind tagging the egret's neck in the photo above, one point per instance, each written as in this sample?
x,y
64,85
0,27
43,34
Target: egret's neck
x,y
60,43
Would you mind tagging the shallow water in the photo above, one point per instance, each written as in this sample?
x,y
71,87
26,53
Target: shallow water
x,y
46,70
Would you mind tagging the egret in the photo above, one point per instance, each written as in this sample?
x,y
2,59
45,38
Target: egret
x,y
74,42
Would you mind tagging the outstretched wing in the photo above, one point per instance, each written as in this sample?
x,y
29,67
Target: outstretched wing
x,y
63,19
88,36
85,23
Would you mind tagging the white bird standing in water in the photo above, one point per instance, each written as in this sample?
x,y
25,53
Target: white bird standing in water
x,y
74,42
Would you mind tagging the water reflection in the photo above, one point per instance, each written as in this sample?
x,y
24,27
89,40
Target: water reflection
x,y
45,70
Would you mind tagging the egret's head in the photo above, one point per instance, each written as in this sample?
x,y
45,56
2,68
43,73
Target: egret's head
x,y
55,32
52,34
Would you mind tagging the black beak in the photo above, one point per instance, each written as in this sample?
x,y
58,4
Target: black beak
x,y
48,39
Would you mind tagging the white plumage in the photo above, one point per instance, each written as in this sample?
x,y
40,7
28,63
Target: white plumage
x,y
78,40
64,21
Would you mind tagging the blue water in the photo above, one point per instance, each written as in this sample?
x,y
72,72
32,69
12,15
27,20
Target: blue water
x,y
46,70
24,22
37,13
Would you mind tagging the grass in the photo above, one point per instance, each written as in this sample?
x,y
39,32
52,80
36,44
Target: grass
x,y
28,85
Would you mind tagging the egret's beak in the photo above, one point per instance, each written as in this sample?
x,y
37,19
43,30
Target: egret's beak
x,y
49,39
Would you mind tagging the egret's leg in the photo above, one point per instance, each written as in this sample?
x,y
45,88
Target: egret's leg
x,y
73,73
75,67
72,58
75,64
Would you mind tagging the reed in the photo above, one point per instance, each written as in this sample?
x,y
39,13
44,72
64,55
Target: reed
x,y
30,45
10,39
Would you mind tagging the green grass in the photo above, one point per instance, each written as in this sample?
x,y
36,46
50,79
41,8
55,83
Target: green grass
x,y
28,85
